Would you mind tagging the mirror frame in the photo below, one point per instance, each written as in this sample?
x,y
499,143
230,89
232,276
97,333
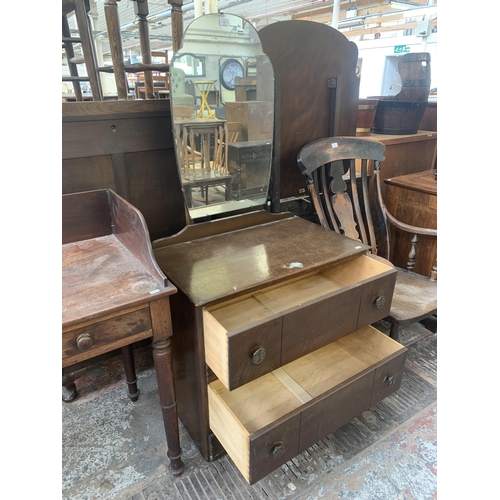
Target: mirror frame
x,y
253,199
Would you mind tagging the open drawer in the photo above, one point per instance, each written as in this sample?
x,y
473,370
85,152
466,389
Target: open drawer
x,y
268,421
252,335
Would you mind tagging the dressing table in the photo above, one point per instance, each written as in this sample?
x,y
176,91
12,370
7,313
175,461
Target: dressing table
x,y
114,294
273,348
258,294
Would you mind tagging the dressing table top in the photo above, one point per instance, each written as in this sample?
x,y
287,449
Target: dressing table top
x,y
237,262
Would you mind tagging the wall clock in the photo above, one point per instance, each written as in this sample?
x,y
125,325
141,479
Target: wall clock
x,y
230,69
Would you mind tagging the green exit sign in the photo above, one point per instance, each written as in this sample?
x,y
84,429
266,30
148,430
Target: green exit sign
x,y
399,49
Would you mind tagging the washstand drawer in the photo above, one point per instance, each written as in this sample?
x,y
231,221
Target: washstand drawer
x,y
98,338
250,336
268,421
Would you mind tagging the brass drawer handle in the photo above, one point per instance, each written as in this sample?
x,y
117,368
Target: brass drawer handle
x,y
277,450
258,355
379,302
84,341
390,380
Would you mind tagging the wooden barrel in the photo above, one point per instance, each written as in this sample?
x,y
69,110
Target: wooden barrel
x,y
367,108
398,117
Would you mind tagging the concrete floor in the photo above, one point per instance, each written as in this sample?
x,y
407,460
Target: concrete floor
x,y
113,448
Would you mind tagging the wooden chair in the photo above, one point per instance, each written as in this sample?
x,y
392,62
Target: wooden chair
x,y
232,133
341,192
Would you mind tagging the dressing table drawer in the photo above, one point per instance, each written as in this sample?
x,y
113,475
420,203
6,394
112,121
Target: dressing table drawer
x,y
250,336
268,421
98,338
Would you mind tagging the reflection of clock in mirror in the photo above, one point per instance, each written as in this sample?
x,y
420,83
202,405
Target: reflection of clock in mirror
x,y
229,70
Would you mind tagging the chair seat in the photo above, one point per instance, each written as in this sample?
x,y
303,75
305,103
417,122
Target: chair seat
x,y
415,297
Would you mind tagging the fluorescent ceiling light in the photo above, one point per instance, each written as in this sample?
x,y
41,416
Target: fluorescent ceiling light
x,y
351,24
402,3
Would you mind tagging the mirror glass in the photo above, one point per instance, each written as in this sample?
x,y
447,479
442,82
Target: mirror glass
x,y
222,101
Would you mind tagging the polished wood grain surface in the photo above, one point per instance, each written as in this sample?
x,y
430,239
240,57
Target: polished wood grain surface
x,y
390,139
405,154
413,199
105,242
90,273
424,182
318,91
232,264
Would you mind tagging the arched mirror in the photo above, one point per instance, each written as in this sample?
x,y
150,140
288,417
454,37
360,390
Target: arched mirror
x,y
222,101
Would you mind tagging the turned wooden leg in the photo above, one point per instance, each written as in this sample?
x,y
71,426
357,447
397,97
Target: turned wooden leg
x,y
162,357
69,391
394,334
129,365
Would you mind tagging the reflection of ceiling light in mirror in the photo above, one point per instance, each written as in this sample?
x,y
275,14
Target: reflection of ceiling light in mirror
x,y
351,24
398,4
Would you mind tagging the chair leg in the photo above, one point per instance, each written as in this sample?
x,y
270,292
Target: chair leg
x,y
69,392
394,333
129,365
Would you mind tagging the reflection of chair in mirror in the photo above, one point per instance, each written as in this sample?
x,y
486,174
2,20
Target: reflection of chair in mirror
x,y
201,144
328,164
232,132
202,155
178,92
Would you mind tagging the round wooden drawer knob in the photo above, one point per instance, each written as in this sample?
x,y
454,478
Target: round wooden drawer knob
x,y
84,341
258,356
379,302
277,450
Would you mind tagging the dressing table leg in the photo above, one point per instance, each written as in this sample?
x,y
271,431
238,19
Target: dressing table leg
x,y
129,365
162,356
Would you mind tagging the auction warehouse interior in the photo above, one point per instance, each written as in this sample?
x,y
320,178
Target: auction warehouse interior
x,y
249,249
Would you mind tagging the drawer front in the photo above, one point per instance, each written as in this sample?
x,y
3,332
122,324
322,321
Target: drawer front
x,y
274,447
92,340
335,410
253,353
388,378
376,299
316,325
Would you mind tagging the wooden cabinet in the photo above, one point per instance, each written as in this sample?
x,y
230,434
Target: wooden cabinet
x,y
126,146
257,118
429,120
412,199
272,344
249,165
407,154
